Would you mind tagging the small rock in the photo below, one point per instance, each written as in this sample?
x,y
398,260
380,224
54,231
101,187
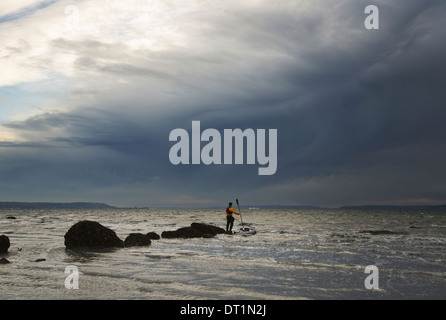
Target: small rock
x,y
137,239
39,260
153,236
4,261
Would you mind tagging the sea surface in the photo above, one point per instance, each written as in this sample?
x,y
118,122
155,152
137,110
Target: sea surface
x,y
296,254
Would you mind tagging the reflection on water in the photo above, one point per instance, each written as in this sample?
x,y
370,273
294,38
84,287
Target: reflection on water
x,y
296,254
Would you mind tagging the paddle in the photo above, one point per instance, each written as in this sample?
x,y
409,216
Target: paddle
x,y
238,206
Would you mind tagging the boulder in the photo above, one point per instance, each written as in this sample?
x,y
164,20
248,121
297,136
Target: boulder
x,y
4,244
207,228
153,236
196,230
137,239
186,232
91,234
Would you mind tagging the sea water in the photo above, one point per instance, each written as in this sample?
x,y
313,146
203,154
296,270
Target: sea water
x,y
295,254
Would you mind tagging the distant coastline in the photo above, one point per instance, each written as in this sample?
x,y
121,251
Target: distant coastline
x,y
53,205
364,207
98,205
390,207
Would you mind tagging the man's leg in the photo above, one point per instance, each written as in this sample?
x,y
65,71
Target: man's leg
x,y
231,223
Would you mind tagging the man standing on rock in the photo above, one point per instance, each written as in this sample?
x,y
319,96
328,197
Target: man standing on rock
x,y
230,218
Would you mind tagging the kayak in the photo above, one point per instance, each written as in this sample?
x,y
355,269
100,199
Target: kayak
x,y
246,231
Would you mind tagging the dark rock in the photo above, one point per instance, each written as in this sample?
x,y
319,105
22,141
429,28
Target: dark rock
x,y
11,217
207,228
186,232
91,234
196,230
4,244
137,239
4,261
153,236
39,260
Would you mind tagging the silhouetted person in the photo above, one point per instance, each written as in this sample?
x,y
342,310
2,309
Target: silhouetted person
x,y
229,217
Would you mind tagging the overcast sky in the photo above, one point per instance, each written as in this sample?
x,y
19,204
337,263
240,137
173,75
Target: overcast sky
x,y
90,91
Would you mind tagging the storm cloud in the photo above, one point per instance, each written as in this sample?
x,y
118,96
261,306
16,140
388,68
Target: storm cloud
x,y
359,112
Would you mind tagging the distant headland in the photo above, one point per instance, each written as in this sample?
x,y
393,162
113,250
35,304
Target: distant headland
x,y
53,205
99,206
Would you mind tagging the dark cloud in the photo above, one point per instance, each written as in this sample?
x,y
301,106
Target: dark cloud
x,y
359,113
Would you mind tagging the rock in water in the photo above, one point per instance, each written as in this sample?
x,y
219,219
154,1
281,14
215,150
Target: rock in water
x,y
4,244
153,236
196,230
91,234
186,232
137,239
207,228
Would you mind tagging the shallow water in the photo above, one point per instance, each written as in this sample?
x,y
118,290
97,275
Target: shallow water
x,y
296,254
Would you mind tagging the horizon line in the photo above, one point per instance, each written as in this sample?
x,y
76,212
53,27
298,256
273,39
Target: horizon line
x,y
248,206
